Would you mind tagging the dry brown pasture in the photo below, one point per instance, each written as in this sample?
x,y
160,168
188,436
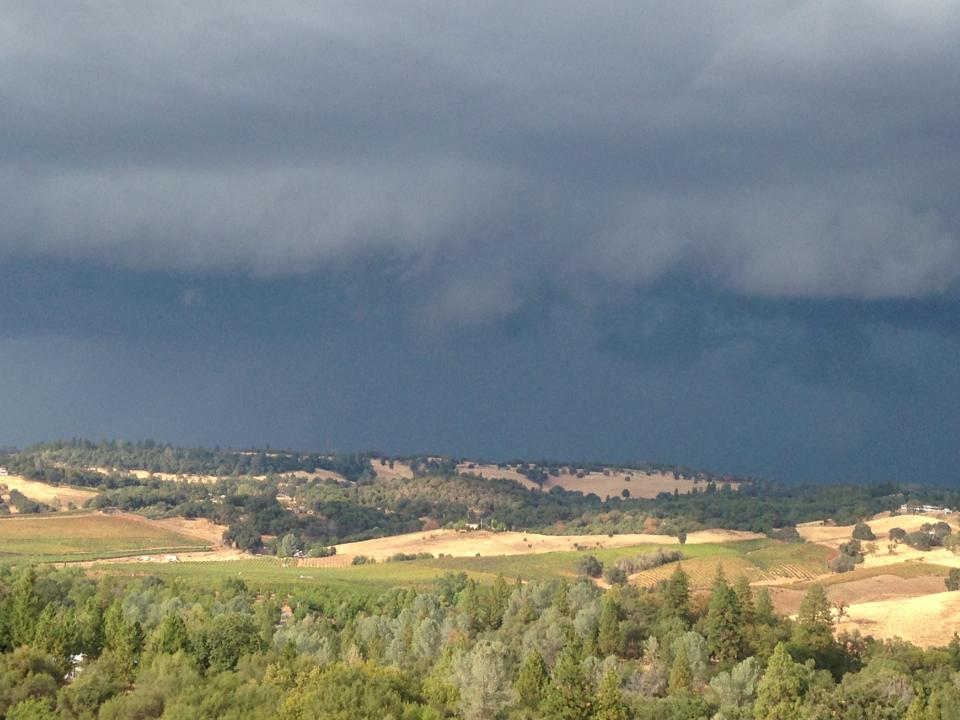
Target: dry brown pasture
x,y
639,483
485,543
787,600
53,495
927,620
385,472
836,535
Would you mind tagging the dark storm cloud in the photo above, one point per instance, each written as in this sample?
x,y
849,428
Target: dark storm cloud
x,y
801,149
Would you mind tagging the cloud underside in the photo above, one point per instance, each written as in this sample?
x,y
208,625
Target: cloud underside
x,y
792,149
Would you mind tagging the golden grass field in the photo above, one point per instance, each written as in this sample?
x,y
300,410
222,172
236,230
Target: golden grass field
x,y
926,620
836,535
484,543
53,495
385,472
639,483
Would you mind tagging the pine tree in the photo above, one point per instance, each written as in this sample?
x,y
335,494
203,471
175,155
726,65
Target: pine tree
x,y
676,595
499,598
724,623
781,689
763,607
561,598
569,696
609,700
608,640
815,619
468,603
171,635
681,677
25,607
532,679
917,709
745,597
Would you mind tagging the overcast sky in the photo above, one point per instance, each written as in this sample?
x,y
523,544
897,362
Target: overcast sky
x,y
723,235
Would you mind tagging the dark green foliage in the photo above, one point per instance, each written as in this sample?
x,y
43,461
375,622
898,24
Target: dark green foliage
x,y
862,531
609,699
676,595
532,680
590,566
919,540
569,696
953,579
724,623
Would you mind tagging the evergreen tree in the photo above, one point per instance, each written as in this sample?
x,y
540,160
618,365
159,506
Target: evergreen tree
x,y
25,607
561,598
681,677
724,623
745,597
815,619
608,639
569,695
609,700
763,607
917,709
497,606
676,595
171,635
532,679
781,689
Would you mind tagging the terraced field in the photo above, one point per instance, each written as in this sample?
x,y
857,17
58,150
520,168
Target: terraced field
x,y
702,571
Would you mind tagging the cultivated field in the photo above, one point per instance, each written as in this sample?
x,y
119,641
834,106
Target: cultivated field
x,y
53,495
87,536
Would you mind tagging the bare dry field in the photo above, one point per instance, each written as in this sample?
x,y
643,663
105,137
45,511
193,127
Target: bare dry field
x,y
492,472
836,535
484,543
929,620
200,528
904,553
385,472
878,588
59,497
638,483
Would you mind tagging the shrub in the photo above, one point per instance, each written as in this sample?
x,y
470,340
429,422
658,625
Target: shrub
x,y
941,530
648,561
919,540
362,560
952,580
785,534
862,531
843,563
615,575
590,566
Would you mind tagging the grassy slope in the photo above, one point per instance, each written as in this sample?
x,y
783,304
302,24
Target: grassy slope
x,y
270,572
86,536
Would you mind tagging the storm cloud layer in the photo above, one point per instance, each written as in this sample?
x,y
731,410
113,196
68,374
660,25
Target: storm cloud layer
x,y
759,197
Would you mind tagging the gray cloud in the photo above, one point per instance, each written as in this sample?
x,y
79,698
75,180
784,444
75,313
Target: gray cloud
x,y
488,152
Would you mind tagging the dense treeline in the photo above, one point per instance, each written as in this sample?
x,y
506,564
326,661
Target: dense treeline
x,y
73,647
319,512
158,458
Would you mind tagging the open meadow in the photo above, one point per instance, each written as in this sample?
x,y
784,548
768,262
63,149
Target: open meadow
x,y
85,536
